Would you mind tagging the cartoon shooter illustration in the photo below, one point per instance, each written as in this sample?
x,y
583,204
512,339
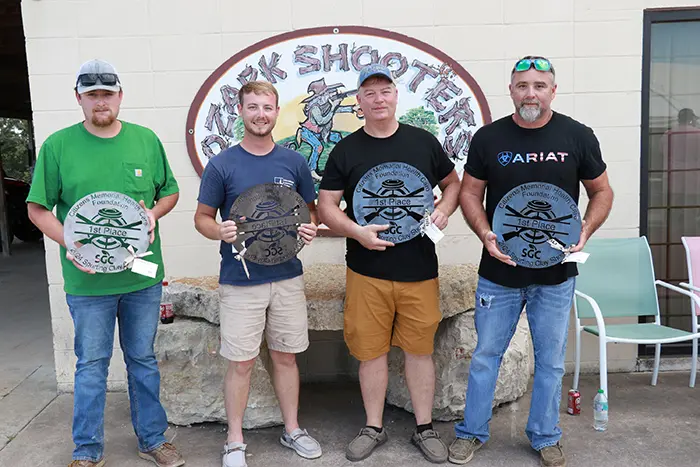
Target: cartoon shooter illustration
x,y
320,108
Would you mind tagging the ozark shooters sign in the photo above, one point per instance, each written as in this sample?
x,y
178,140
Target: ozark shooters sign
x,y
315,72
529,216
101,227
394,194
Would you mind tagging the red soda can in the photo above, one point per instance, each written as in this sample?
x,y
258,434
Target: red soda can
x,y
574,407
166,310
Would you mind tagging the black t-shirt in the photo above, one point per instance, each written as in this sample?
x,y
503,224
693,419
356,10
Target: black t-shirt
x,y
562,153
356,154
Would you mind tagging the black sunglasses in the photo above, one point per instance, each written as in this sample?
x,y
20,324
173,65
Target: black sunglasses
x,y
91,79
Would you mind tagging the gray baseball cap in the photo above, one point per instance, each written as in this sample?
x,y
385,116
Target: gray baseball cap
x,y
374,69
97,74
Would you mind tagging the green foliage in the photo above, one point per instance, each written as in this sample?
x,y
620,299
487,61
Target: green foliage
x,y
14,148
421,118
238,129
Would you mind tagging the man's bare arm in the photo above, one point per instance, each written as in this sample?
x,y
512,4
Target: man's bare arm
x,y
52,228
450,187
165,205
330,214
46,222
471,200
313,212
205,222
600,199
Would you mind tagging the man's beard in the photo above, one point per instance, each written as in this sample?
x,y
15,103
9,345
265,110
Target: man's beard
x,y
530,114
257,131
103,119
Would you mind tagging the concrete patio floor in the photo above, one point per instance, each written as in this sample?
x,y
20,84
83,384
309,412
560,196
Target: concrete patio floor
x,y
649,426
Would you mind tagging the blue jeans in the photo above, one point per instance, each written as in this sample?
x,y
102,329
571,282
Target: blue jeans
x,y
94,320
498,309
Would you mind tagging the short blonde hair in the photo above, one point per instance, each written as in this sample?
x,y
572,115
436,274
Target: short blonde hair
x,y
258,87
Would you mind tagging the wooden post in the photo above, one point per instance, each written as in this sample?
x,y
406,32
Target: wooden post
x,y
4,219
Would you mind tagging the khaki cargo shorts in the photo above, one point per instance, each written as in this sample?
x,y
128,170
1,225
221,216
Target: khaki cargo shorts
x,y
278,309
380,313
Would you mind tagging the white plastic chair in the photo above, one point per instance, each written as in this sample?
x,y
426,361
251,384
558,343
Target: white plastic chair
x,y
618,281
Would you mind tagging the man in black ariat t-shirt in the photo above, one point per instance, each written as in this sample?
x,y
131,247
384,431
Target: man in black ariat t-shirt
x,y
534,144
386,173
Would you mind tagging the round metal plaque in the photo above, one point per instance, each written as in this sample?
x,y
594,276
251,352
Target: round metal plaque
x,y
393,193
267,217
533,216
100,228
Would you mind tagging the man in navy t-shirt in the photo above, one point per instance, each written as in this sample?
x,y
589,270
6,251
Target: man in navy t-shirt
x,y
266,298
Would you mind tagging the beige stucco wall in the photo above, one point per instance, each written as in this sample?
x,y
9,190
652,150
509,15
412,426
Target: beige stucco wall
x,y
165,49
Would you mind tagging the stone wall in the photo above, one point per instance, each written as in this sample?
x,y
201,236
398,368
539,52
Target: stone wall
x,y
193,371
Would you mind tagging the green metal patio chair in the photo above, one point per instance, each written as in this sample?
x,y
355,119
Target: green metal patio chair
x,y
618,281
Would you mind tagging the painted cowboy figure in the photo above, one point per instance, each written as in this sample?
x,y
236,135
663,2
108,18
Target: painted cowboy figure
x,y
320,108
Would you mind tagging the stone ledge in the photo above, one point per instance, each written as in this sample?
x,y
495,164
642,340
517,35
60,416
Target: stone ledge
x,y
192,371
325,293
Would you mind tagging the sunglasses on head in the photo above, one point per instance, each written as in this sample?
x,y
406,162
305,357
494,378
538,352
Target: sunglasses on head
x,y
539,63
91,79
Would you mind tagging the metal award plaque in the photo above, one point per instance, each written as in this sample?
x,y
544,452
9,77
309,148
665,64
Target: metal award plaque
x,y
100,228
536,224
393,193
267,217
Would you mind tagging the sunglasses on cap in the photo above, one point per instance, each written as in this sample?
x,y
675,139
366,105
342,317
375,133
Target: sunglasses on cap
x,y
91,79
539,63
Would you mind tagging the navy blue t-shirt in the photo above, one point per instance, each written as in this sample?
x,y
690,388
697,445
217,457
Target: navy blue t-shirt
x,y
232,172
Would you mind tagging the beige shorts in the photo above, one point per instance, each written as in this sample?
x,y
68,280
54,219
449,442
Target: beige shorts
x,y
277,308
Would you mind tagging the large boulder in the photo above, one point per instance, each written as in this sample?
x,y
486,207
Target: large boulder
x,y
192,371
455,342
192,377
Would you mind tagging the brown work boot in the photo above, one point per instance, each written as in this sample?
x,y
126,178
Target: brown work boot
x,y
84,463
430,445
552,456
364,443
165,455
462,450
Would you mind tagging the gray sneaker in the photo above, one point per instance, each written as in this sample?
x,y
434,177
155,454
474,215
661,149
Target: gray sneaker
x,y
364,443
462,450
552,456
302,443
430,445
234,455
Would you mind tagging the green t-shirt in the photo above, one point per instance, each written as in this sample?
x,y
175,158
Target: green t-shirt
x,y
74,163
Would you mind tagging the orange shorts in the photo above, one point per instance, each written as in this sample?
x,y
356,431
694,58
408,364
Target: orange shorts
x,y
380,313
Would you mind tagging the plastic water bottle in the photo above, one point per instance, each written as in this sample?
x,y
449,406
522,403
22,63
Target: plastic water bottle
x,y
600,411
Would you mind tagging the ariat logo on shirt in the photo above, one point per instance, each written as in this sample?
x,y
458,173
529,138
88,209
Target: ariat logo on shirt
x,y
138,172
507,157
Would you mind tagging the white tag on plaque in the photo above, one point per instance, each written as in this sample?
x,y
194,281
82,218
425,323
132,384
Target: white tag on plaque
x,y
578,257
434,233
145,268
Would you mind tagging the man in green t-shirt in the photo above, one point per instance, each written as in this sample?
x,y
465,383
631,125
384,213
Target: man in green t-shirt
x,y
103,153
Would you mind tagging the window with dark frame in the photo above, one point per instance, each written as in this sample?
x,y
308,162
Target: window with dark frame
x,y
670,159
